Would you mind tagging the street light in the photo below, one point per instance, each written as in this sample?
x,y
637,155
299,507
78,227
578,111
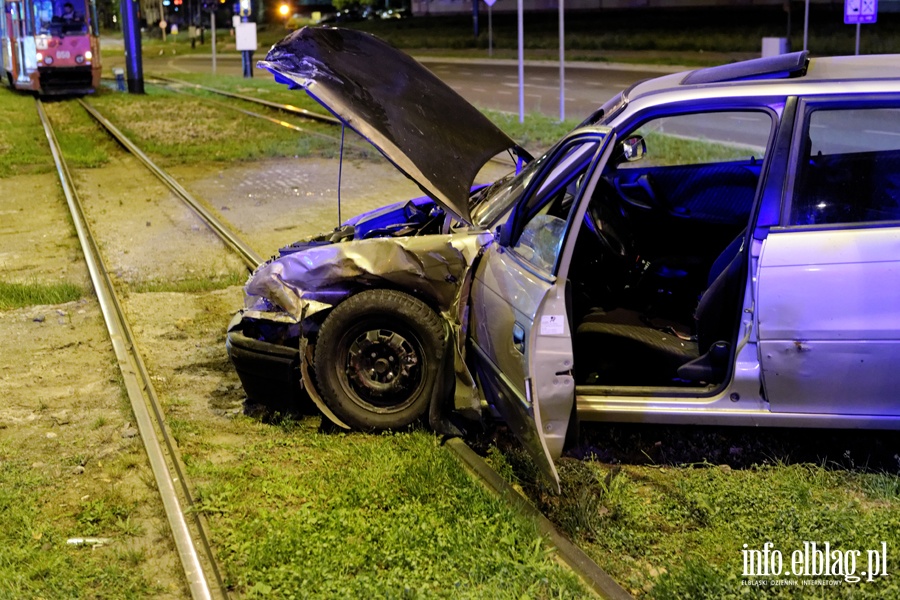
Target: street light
x,y
284,10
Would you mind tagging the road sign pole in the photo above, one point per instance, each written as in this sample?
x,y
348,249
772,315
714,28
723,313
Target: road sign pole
x,y
490,33
562,62
857,12
521,26
806,24
212,25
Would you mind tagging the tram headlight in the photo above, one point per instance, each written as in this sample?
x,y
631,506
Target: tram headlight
x,y
79,59
40,57
48,60
88,55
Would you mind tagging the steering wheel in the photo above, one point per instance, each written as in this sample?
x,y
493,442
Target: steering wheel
x,y
610,226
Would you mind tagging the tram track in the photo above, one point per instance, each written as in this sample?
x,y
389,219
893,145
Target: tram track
x,y
192,539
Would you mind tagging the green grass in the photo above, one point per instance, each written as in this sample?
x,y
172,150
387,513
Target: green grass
x,y
36,560
191,285
666,150
262,85
20,295
157,121
670,532
84,143
537,132
302,513
23,145
180,129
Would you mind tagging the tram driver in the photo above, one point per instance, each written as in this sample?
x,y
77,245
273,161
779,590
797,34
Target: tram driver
x,y
69,21
68,13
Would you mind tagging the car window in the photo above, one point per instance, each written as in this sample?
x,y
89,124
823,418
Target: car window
x,y
546,211
704,167
848,167
704,138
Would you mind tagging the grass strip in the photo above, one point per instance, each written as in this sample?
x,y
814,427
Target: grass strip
x,y
678,531
303,513
23,146
37,561
20,295
191,285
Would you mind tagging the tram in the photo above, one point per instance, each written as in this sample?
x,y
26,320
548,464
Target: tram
x,y
50,46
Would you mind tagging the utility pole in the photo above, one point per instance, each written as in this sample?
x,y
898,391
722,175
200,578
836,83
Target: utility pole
x,y
131,30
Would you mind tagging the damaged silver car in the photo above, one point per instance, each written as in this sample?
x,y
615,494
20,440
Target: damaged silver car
x,y
717,246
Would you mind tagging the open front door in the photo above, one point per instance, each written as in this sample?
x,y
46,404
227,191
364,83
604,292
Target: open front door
x,y
520,329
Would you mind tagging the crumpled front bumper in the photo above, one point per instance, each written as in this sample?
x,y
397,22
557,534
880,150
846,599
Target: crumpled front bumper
x,y
270,373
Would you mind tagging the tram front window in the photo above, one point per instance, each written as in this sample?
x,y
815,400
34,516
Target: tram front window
x,y
58,17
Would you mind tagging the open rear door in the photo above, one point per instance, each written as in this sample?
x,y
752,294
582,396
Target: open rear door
x,y
520,328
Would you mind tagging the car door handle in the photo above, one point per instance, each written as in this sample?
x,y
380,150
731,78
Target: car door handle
x,y
518,335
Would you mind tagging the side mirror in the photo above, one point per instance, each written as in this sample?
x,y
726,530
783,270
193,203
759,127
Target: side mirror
x,y
633,148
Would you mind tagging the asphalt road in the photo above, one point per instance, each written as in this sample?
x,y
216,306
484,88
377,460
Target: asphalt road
x,y
489,84
496,85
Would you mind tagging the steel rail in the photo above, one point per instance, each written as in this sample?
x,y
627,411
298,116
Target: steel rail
x,y
250,113
246,253
138,386
290,108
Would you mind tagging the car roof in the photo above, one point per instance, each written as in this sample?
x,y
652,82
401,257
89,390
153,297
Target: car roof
x,y
760,77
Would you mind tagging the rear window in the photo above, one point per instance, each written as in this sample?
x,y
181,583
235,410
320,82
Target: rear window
x,y
849,167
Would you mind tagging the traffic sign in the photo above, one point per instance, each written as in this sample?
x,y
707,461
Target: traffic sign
x,y
489,2
860,11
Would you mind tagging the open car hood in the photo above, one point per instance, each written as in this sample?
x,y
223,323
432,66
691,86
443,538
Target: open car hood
x,y
427,130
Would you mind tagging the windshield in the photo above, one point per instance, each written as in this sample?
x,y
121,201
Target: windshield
x,y
60,17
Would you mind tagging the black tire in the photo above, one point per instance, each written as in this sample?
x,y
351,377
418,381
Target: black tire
x,y
360,344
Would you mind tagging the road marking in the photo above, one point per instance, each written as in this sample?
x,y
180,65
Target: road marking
x,y
172,65
553,88
894,133
479,90
751,119
504,93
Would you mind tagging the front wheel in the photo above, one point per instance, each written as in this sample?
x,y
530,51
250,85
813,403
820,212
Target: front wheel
x,y
377,357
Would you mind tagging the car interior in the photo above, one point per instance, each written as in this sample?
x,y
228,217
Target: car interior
x,y
659,270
